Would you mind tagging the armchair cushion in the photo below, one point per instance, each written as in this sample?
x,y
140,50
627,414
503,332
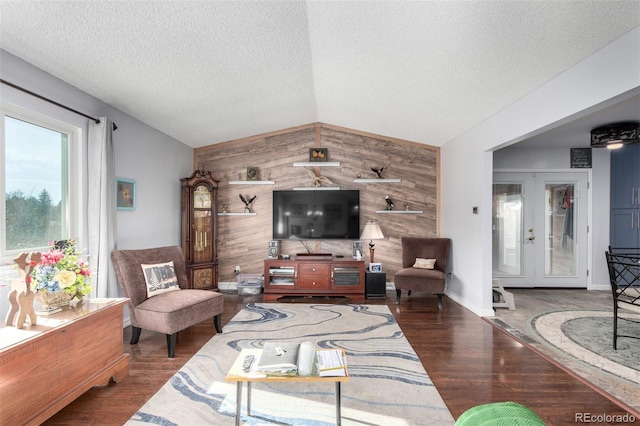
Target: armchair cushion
x,y
424,263
160,278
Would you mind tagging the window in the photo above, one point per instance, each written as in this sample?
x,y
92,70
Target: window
x,y
40,181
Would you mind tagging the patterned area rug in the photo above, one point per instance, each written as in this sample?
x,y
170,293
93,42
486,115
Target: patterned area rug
x,y
587,336
388,383
582,341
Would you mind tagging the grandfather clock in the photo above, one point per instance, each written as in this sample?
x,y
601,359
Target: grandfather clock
x,y
199,229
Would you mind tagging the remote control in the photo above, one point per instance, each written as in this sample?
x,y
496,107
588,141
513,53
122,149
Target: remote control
x,y
248,360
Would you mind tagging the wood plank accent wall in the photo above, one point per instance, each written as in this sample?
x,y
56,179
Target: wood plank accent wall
x,y
242,240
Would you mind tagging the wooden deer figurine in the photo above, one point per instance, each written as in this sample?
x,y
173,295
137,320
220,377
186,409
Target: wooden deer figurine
x,y
22,301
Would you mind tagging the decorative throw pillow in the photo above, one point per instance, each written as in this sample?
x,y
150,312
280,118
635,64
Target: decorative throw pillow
x,y
424,263
160,278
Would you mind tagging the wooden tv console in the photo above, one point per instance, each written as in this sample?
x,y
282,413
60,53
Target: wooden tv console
x,y
45,367
314,275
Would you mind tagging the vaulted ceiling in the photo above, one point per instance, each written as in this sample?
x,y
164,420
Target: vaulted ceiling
x,y
205,72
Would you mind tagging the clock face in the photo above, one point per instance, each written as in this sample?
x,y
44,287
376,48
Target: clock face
x,y
202,198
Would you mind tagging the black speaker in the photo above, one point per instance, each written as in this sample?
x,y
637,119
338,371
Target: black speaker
x,y
375,284
356,247
274,249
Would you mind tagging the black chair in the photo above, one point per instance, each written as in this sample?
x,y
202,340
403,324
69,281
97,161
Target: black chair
x,y
624,274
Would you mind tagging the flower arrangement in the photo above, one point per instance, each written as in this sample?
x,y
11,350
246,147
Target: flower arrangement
x,y
61,269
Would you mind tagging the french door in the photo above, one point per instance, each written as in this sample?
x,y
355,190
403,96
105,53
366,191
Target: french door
x,y
540,229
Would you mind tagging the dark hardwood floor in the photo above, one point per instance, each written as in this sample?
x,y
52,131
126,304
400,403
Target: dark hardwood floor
x,y
470,362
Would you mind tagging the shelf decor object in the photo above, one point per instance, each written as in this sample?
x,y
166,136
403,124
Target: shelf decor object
x,y
400,211
371,231
316,164
318,154
318,180
251,182
384,180
316,188
252,173
247,202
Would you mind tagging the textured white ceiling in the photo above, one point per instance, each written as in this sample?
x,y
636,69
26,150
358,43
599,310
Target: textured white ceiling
x,y
210,71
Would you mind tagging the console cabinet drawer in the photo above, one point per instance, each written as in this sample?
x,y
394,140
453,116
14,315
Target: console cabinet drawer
x,y
314,269
313,283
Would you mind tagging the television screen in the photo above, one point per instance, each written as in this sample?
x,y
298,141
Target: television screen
x,y
316,215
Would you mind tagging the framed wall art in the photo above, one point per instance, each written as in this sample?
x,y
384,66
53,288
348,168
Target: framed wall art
x,y
375,267
318,154
252,173
125,194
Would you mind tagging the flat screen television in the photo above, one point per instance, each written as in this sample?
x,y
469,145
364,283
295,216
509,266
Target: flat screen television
x,y
316,215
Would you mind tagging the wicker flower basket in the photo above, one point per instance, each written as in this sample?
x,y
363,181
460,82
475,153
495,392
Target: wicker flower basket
x,y
54,299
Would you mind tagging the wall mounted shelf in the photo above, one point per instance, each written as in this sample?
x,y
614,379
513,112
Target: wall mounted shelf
x,y
393,180
251,182
317,164
237,214
319,188
399,211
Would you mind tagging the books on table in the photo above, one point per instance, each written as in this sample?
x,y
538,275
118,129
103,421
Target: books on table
x,y
291,359
331,363
279,359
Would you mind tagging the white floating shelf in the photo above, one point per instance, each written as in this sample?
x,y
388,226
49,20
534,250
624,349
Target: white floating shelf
x,y
236,214
317,188
251,182
393,180
400,211
317,164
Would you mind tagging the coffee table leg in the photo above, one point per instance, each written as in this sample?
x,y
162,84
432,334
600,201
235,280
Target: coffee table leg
x,y
338,407
238,402
248,398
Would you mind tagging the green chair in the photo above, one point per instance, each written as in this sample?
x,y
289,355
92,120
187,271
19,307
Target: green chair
x,y
499,414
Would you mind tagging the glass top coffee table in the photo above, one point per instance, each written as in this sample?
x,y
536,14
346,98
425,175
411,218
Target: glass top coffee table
x,y
238,375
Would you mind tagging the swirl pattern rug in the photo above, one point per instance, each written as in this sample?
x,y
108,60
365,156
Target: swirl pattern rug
x,y
388,385
587,336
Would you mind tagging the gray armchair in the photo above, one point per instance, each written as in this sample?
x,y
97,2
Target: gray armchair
x,y
169,312
422,279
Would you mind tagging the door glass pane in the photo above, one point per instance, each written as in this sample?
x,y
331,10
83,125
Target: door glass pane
x,y
507,229
560,222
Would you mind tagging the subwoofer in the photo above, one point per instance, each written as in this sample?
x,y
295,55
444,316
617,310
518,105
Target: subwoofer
x,y
356,247
273,251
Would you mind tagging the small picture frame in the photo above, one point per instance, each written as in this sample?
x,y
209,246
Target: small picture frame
x,y
375,267
125,194
252,173
318,154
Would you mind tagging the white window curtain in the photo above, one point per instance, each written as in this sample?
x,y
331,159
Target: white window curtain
x,y
102,208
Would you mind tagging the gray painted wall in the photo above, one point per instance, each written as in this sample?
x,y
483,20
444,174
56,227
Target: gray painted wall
x,y
154,160
467,161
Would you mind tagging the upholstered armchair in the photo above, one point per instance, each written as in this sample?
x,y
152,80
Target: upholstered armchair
x,y
420,272
164,305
